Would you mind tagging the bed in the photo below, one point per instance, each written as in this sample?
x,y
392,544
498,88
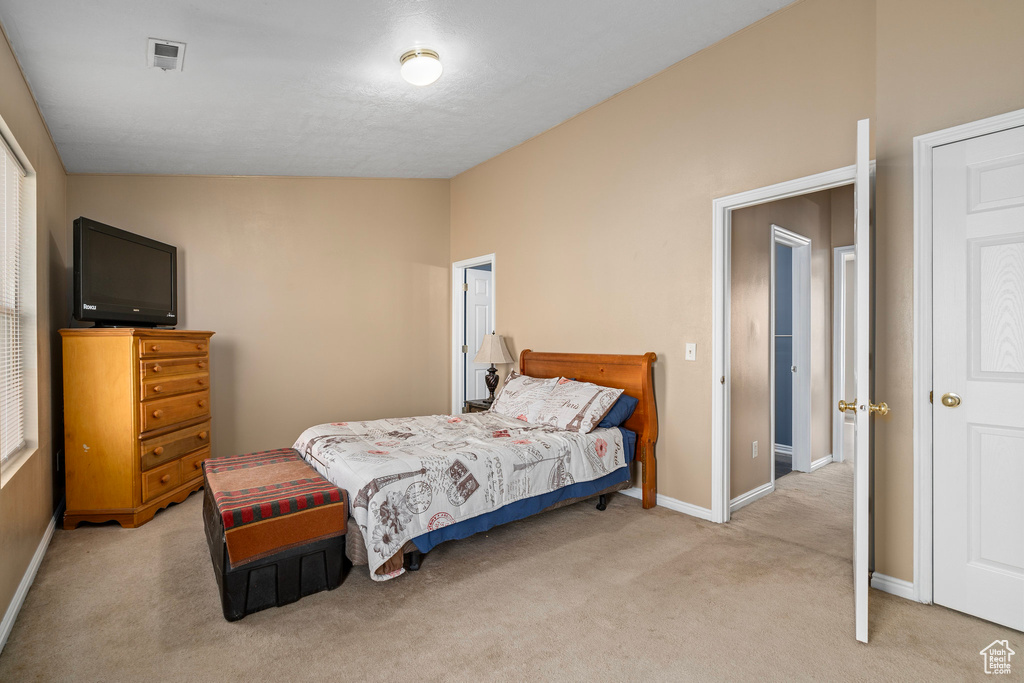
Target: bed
x,y
416,482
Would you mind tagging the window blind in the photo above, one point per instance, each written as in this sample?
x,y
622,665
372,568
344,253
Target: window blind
x,y
12,394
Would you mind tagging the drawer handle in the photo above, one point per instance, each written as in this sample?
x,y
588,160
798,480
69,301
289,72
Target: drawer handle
x,y
159,450
200,347
164,479
155,348
202,436
157,368
202,403
202,382
158,414
197,465
157,389
201,364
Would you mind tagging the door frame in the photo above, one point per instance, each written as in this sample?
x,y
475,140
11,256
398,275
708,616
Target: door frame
x,y
842,258
922,589
721,232
458,317
801,398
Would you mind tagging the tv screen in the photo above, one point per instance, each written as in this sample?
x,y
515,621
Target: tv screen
x,y
121,277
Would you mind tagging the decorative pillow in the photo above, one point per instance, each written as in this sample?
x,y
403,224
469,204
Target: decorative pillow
x,y
521,396
576,406
620,412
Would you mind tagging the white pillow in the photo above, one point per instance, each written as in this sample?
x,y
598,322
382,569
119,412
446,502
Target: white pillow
x,y
576,406
521,396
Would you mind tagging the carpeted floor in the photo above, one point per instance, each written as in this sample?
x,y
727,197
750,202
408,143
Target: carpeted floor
x,y
624,594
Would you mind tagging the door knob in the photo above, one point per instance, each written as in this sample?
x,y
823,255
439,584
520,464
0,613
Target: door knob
x,y
879,408
851,406
950,400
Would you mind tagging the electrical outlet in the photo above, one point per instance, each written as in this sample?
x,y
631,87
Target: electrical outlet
x,y
755,449
691,352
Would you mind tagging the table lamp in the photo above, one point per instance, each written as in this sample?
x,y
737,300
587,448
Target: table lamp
x,y
492,351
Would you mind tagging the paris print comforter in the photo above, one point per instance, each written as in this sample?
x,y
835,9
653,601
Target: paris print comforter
x,y
407,476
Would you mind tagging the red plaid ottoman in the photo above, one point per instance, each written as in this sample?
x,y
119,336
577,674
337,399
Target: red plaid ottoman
x,y
275,528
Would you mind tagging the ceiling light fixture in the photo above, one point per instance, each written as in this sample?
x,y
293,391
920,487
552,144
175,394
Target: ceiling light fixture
x,y
421,66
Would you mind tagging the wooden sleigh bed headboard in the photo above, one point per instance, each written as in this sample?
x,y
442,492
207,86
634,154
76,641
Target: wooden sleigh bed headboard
x,y
629,373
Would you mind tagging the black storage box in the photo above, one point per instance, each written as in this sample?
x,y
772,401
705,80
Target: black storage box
x,y
275,580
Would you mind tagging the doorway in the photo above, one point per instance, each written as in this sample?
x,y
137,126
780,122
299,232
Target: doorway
x,y
790,352
780,339
473,316
724,212
843,286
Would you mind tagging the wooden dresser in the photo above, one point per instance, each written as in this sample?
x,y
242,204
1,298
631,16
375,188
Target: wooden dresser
x,y
136,421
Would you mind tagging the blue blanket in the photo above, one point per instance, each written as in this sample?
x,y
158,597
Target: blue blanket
x,y
522,509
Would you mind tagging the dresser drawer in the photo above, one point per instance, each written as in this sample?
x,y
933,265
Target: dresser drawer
x,y
159,481
173,385
154,369
172,347
172,446
169,411
192,464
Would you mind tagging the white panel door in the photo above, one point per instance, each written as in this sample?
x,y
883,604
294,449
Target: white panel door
x,y
863,202
978,376
478,323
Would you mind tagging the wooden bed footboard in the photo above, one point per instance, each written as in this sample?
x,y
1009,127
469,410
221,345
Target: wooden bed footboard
x,y
632,374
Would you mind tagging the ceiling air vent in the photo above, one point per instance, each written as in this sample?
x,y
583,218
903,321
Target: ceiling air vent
x,y
165,54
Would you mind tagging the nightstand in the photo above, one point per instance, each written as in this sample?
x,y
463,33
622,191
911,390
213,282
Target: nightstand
x,y
476,406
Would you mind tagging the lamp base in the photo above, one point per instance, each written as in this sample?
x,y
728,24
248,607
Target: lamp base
x,y
491,380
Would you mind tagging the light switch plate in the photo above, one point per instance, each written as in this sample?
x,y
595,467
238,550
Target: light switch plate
x,y
755,449
691,352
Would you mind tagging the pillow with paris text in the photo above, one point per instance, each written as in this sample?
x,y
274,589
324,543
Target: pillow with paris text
x,y
521,396
577,406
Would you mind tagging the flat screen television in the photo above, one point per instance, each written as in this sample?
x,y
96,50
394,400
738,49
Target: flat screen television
x,y
122,278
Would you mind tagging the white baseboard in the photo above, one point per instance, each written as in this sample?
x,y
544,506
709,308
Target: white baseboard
x,y
673,504
821,462
750,496
898,587
30,575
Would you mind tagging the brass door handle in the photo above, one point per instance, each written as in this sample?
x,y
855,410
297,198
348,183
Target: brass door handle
x,y
879,408
851,406
950,400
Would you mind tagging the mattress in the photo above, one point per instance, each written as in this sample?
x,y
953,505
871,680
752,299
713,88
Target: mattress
x,y
411,478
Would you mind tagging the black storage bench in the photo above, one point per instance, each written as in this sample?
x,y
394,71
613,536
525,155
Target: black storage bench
x,y
275,528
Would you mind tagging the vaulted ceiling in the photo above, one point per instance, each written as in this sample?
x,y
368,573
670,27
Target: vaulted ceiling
x,y
312,87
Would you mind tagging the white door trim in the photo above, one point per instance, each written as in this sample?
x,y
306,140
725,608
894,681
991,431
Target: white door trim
x,y
721,227
800,432
923,146
842,257
458,315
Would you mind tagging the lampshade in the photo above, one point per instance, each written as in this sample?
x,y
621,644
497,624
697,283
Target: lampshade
x,y
421,66
493,350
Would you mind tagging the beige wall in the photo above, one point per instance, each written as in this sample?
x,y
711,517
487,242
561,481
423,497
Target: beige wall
x,y
750,380
602,226
27,495
629,185
328,296
940,63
